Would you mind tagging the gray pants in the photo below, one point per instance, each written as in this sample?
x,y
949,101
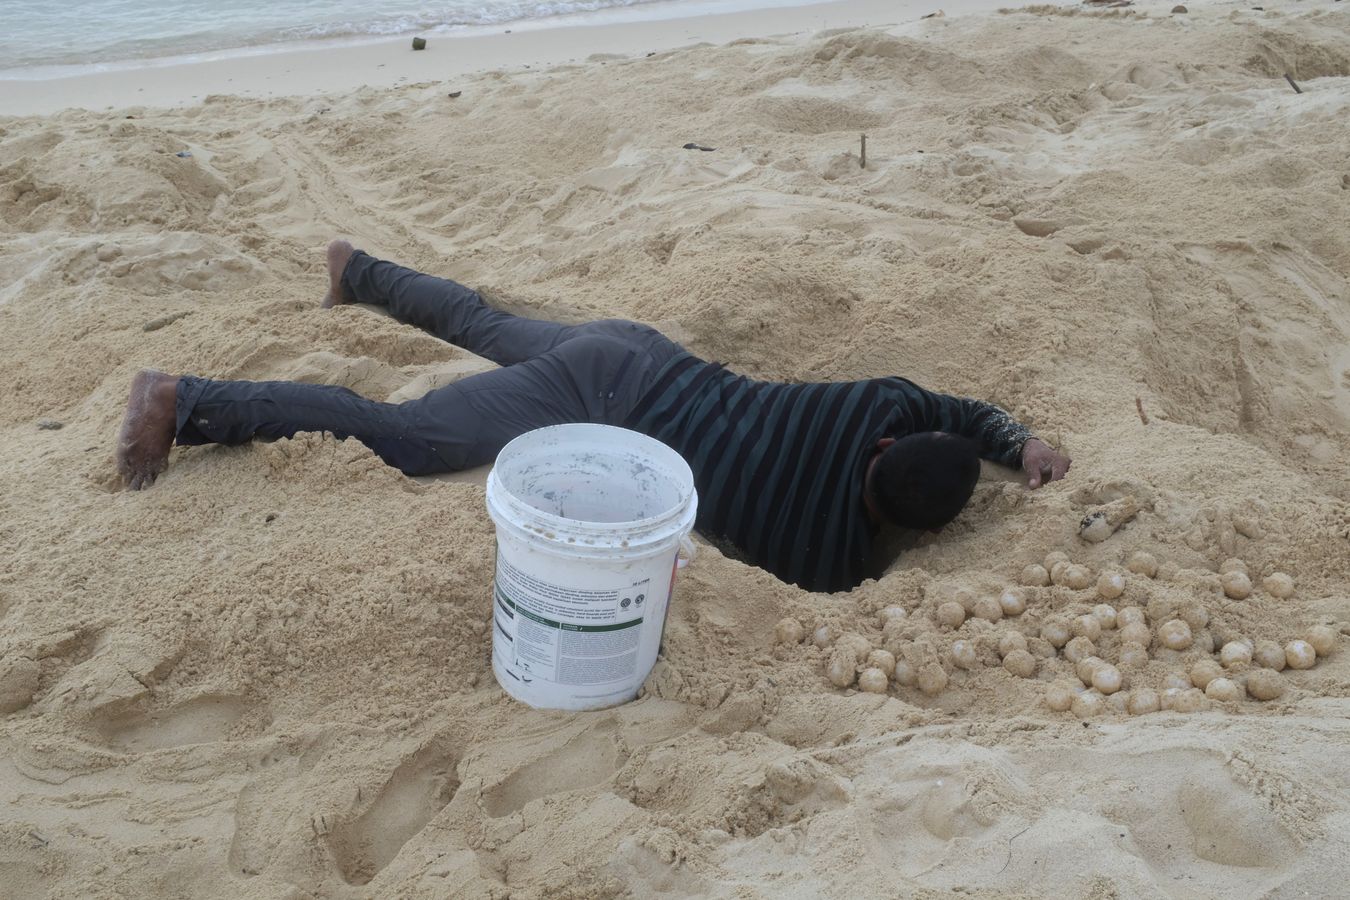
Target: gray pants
x,y
552,375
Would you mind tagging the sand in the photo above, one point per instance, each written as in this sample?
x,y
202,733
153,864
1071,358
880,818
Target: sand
x,y
269,675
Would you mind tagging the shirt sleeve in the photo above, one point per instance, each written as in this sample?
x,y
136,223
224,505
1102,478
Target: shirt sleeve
x,y
999,435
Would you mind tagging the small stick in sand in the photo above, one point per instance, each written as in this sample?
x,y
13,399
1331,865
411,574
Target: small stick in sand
x,y
862,155
1139,405
1290,78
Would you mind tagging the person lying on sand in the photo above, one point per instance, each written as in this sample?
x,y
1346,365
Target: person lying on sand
x,y
798,478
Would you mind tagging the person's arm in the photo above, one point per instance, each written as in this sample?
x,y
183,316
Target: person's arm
x,y
1002,438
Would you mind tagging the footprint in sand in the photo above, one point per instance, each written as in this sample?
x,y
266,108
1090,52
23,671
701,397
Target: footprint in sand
x,y
918,825
1230,827
588,759
257,830
418,789
197,721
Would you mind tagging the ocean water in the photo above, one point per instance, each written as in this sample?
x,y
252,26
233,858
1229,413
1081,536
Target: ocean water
x,y
85,32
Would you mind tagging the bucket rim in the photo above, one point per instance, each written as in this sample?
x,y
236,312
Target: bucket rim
x,y
675,520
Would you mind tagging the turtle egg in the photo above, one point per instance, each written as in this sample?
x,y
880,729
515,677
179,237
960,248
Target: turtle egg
x,y
1087,626
1232,565
1059,571
987,608
1224,690
932,679
1040,647
1107,679
1013,601
1089,705
1054,557
1088,667
964,655
1299,655
1205,671
1095,528
883,660
1142,702
891,613
1010,641
1130,615
1236,585
1142,563
789,631
1132,655
1034,576
1278,585
1204,642
1020,663
1268,655
1135,633
842,666
894,629
860,645
1189,701
951,614
1059,696
1056,632
1078,578
873,680
904,674
1168,698
1105,614
1322,638
1175,635
1176,680
965,597
1265,684
1111,585
1194,615
1079,649
1235,653
823,636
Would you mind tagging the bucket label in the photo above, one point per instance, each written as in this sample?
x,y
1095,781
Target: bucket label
x,y
568,635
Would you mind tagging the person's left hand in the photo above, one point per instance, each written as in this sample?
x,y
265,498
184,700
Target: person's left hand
x,y
1042,463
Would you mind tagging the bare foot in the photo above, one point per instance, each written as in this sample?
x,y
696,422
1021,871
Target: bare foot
x,y
147,431
339,252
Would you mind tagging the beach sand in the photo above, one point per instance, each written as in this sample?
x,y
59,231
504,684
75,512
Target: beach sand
x,y
268,676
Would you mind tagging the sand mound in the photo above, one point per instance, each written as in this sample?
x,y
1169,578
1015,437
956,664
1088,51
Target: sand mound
x,y
269,675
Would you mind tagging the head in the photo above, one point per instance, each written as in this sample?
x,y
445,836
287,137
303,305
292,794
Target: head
x,y
923,480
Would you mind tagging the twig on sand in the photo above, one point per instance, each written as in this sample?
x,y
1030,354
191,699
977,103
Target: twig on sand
x,y
1290,78
862,153
1139,405
1010,840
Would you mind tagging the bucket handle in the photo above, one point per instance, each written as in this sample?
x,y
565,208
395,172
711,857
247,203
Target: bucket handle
x,y
688,550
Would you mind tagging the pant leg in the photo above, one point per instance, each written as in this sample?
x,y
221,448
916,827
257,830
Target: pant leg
x,y
459,426
594,377
235,412
588,378
450,311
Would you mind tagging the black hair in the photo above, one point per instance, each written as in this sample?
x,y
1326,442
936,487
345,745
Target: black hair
x,y
924,480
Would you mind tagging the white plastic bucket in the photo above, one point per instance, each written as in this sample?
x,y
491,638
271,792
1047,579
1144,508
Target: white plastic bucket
x,y
590,521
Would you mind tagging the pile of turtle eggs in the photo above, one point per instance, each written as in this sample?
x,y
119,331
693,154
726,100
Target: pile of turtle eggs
x,y
1240,667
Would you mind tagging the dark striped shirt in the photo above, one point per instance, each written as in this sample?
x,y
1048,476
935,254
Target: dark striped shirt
x,y
779,467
